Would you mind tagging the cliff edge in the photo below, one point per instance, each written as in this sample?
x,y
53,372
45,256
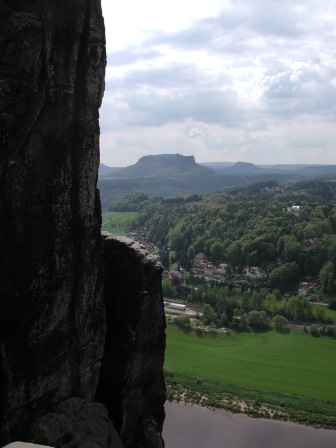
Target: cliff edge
x,y
131,383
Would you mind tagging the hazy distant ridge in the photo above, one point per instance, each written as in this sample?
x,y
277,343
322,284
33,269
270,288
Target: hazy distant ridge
x,y
168,165
174,174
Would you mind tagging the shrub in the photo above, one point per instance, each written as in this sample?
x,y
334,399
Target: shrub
x,y
314,330
330,330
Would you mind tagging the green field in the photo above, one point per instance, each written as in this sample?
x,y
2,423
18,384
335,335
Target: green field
x,y
114,222
292,363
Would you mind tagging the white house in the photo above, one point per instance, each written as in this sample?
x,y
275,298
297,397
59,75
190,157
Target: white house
x,y
294,209
255,273
223,269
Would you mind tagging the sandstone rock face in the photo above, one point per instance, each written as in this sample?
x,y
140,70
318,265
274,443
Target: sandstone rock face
x,y
131,384
56,345
52,316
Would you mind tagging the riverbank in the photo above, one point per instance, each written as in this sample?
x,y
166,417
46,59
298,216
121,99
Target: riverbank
x,y
193,426
231,399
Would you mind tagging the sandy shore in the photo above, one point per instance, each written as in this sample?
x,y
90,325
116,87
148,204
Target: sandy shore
x,y
238,416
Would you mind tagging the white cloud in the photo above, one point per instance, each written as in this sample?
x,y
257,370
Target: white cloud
x,y
282,85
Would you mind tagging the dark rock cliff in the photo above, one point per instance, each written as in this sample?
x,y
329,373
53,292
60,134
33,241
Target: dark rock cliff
x,y
52,62
52,307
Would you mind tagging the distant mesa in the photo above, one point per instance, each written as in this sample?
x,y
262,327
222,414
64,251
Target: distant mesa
x,y
245,168
162,165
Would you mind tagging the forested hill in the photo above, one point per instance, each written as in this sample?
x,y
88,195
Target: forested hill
x,y
288,231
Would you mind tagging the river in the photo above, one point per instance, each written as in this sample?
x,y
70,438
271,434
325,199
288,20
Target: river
x,y
195,427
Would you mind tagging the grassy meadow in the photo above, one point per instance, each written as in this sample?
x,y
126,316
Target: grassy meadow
x,y
289,376
294,363
114,222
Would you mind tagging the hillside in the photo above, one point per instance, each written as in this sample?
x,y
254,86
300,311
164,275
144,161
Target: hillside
x,y
105,170
251,226
318,170
245,168
112,189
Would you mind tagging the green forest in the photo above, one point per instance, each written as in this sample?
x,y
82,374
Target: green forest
x,y
251,225
287,230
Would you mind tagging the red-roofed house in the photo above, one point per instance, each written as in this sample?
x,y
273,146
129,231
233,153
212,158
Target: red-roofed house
x,y
303,288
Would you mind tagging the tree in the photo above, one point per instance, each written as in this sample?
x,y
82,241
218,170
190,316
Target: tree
x,y
164,257
327,277
252,258
245,301
167,290
292,252
191,253
176,279
216,251
284,277
277,294
257,300
270,303
209,315
299,308
182,322
258,319
280,322
233,253
319,312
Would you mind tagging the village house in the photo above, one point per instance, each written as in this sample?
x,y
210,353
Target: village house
x,y
294,209
309,242
204,267
303,289
209,269
223,269
254,273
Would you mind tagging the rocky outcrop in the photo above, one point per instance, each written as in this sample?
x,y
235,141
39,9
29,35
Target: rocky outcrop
x,y
131,383
76,424
54,336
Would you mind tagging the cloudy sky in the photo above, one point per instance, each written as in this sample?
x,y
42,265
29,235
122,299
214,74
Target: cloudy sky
x,y
223,80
